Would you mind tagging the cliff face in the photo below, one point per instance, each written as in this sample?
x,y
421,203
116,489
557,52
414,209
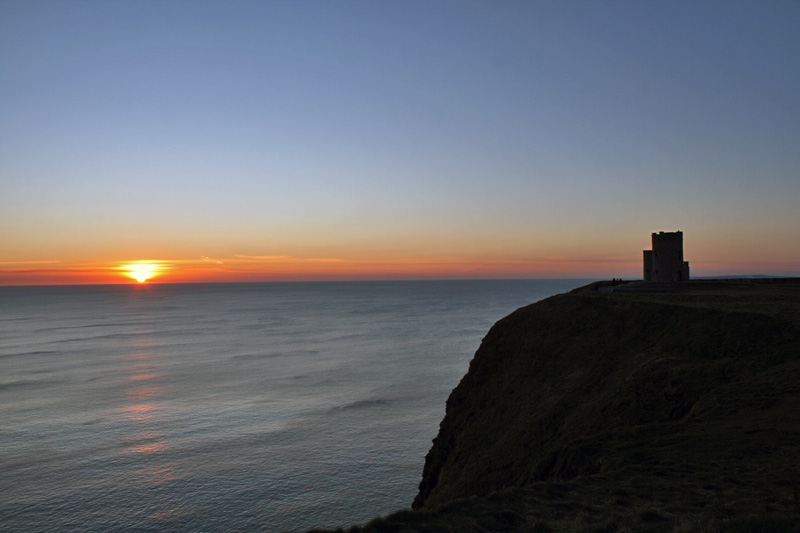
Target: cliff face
x,y
698,391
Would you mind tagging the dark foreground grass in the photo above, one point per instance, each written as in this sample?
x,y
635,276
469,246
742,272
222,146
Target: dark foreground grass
x,y
645,501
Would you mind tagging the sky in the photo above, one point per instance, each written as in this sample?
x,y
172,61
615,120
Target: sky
x,y
409,139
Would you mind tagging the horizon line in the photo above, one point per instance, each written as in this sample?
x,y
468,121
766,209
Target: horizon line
x,y
393,280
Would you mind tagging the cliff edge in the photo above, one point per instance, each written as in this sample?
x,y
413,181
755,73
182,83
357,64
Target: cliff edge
x,y
597,409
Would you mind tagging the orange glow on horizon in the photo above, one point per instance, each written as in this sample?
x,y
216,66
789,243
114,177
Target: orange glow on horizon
x,y
265,268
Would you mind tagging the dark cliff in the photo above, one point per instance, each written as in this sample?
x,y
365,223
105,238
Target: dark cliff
x,y
592,409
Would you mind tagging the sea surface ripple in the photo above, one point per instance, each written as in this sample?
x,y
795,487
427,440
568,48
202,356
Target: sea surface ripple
x,y
230,407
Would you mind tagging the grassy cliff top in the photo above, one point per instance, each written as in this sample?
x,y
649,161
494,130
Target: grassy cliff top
x,y
778,297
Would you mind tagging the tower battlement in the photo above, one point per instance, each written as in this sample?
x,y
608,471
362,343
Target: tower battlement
x,y
668,236
665,261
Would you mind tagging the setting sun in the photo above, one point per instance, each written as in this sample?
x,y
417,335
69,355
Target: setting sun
x,y
141,272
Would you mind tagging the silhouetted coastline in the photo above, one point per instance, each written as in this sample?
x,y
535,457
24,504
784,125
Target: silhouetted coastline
x,y
625,410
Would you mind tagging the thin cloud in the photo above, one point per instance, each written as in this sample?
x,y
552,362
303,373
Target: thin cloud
x,y
289,259
265,257
27,262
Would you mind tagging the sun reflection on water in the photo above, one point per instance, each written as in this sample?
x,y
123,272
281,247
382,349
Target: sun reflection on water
x,y
143,409
143,412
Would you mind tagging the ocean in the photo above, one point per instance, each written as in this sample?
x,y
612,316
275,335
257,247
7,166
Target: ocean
x,y
230,407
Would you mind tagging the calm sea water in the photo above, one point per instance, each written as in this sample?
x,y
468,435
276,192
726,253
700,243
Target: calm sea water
x,y
230,407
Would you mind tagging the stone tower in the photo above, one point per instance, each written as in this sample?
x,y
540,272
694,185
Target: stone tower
x,y
665,261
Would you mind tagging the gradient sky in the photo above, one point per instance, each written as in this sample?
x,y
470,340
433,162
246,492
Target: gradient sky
x,y
235,140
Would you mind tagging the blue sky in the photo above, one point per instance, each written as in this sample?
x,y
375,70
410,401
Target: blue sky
x,y
492,132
